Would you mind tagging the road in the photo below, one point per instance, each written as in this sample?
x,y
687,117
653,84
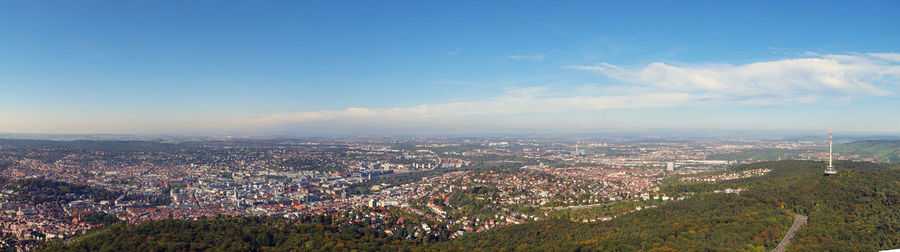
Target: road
x,y
799,221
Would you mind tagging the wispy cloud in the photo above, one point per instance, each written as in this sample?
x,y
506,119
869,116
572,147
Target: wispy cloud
x,y
527,57
657,85
650,88
516,101
454,52
895,57
824,75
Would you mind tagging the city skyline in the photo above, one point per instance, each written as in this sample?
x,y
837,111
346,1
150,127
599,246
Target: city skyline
x,y
341,68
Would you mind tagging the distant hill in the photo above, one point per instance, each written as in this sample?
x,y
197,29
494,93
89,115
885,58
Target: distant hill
x,y
142,145
103,145
886,151
758,155
856,210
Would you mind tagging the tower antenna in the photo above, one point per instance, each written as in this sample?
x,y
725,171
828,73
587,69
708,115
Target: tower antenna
x,y
829,170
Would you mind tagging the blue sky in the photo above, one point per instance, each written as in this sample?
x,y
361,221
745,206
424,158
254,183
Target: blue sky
x,y
454,67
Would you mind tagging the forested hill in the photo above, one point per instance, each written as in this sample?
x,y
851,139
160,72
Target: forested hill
x,y
856,210
887,151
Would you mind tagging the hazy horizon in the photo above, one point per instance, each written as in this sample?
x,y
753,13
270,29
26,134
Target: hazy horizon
x,y
661,134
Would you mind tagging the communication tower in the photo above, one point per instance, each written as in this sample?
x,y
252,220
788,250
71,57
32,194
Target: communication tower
x,y
829,170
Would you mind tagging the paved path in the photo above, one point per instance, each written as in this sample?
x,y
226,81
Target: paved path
x,y
799,221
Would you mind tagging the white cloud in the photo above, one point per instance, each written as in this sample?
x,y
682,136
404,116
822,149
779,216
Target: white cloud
x,y
822,75
527,57
527,91
648,89
895,57
517,101
454,52
806,80
323,115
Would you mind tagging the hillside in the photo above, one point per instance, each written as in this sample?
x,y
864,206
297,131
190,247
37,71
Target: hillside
x,y
230,234
885,151
856,210
847,212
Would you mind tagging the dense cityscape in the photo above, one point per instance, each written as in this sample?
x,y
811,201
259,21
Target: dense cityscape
x,y
440,188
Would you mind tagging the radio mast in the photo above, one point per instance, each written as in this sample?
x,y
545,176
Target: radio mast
x,y
829,170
